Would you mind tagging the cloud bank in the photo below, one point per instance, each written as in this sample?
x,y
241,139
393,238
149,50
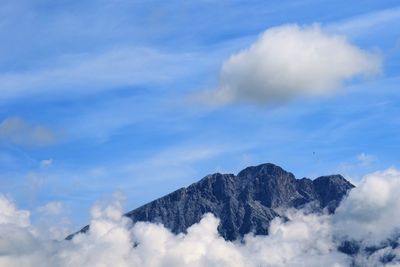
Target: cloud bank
x,y
367,215
291,61
371,213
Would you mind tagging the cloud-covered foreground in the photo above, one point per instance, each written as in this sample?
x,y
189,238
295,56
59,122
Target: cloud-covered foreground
x,y
291,61
369,215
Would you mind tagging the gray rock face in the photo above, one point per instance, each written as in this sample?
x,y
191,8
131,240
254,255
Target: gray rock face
x,y
246,202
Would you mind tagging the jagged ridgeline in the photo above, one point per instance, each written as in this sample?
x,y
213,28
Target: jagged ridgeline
x,y
246,202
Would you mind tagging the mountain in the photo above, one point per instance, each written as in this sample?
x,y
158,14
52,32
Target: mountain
x,y
246,202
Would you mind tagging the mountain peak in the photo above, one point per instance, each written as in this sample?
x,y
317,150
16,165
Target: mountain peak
x,y
263,170
246,202
329,189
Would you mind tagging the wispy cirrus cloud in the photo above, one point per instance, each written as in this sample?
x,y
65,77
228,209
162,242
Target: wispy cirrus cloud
x,y
20,132
365,159
366,22
51,208
88,73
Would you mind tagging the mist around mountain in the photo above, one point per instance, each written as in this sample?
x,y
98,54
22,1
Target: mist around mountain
x,y
362,230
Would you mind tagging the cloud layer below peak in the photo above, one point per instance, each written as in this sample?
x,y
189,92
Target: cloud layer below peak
x,y
368,215
291,61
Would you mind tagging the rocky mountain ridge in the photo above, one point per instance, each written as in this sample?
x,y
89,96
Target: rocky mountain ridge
x,y
246,202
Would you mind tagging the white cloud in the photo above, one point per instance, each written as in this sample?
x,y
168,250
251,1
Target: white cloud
x,y
85,73
10,215
365,159
46,163
51,208
112,241
20,132
291,61
368,22
369,214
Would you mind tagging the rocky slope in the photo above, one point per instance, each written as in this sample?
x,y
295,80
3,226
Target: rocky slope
x,y
246,202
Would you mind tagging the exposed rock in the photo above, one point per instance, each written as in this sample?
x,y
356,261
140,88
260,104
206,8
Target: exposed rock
x,y
246,202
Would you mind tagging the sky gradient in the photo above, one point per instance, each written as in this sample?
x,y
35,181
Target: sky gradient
x,y
97,97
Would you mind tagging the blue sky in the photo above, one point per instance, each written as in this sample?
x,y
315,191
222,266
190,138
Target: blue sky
x,y
96,98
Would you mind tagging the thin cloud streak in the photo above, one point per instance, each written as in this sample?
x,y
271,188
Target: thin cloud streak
x,y
86,73
364,22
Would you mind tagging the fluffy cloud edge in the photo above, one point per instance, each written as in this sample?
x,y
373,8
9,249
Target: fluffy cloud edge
x,y
291,61
305,240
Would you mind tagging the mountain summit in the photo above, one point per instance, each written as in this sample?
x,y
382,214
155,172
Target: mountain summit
x,y
246,202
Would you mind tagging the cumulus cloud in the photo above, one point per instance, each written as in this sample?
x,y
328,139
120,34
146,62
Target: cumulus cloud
x,y
367,215
10,215
291,61
18,131
371,213
113,241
